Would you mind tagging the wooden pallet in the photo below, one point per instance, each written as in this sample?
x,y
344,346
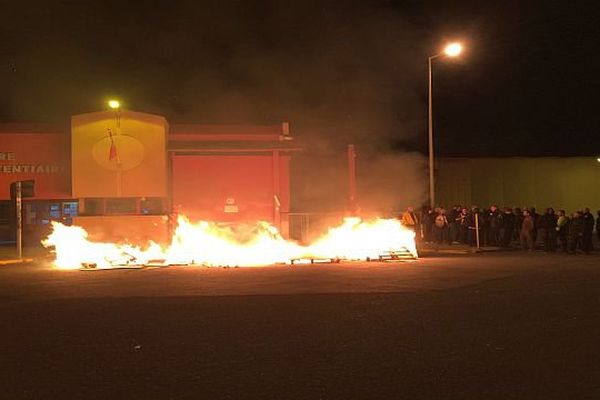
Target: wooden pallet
x,y
396,255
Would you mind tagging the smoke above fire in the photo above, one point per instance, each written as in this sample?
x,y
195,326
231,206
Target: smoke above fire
x,y
343,70
339,72
387,181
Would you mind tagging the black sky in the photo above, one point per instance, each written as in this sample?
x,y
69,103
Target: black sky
x,y
346,70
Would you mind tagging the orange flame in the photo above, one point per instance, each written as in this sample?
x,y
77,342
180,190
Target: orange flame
x,y
207,243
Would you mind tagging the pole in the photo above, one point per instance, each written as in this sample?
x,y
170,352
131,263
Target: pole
x,y
18,201
351,178
119,163
430,128
477,228
276,190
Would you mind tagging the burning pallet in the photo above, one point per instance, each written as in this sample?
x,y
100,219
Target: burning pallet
x,y
314,260
394,255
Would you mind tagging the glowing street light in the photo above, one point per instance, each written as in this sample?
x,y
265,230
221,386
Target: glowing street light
x,y
114,104
451,50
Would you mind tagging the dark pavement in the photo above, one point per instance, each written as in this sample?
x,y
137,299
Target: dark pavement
x,y
486,326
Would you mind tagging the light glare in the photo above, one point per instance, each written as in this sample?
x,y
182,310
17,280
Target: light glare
x,y
114,104
453,49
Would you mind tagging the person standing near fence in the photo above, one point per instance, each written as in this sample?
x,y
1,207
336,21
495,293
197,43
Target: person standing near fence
x,y
576,229
527,228
441,227
588,231
453,224
508,222
562,229
427,219
411,221
493,226
548,223
518,223
536,220
462,221
598,224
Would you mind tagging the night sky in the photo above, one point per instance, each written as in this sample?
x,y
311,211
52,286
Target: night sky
x,y
347,71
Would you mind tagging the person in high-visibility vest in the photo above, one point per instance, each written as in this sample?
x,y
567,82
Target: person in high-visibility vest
x,y
410,219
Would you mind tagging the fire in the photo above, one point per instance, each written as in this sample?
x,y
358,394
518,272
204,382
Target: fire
x,y
209,244
356,239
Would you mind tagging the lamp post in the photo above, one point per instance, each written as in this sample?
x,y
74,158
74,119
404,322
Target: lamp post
x,y
115,105
113,153
451,50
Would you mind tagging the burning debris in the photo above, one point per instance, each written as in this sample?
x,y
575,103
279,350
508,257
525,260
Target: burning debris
x,y
209,244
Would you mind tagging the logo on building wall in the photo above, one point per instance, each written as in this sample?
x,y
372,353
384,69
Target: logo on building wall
x,y
118,152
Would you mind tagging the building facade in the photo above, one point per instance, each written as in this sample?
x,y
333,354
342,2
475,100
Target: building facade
x,y
125,175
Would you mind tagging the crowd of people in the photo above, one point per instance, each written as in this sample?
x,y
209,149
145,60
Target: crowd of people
x,y
551,231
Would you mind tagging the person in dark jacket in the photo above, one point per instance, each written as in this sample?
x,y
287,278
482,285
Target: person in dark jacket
x,y
518,222
576,228
562,229
536,217
493,226
547,224
527,227
462,220
598,224
588,230
452,224
509,221
428,220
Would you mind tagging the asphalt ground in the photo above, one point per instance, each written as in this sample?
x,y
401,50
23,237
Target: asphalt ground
x,y
484,326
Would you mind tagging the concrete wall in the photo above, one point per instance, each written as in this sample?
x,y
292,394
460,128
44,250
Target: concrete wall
x,y
570,183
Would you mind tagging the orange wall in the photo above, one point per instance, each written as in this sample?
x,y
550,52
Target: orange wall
x,y
203,183
43,157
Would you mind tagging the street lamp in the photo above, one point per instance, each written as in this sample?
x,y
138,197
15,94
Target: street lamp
x,y
451,50
115,105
